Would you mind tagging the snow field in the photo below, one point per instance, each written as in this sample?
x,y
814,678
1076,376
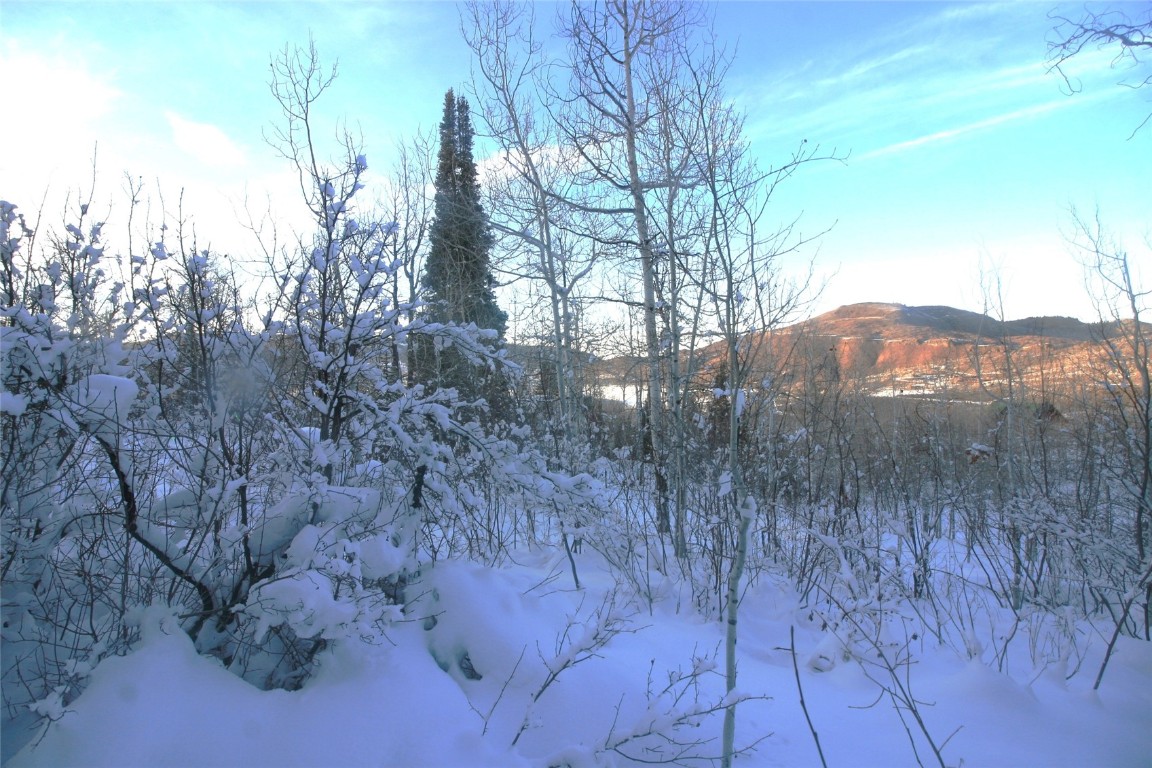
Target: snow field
x,y
488,656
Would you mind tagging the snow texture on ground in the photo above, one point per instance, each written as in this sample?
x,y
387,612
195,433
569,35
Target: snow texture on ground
x,y
455,685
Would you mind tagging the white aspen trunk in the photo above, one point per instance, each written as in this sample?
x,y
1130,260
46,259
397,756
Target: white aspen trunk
x,y
744,506
747,511
648,274
677,386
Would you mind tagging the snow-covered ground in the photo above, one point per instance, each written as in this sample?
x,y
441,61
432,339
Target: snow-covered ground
x,y
540,674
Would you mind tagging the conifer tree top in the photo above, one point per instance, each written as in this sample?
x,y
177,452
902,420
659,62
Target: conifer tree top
x,y
458,277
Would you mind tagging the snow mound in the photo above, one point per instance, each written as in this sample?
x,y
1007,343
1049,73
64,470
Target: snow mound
x,y
163,705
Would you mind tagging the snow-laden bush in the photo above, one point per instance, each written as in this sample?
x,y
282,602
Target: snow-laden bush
x,y
258,462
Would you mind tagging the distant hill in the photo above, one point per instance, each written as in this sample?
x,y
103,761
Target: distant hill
x,y
935,350
892,349
894,321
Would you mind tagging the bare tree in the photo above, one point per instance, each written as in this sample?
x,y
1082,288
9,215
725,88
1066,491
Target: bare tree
x,y
408,204
621,55
741,279
1129,38
656,160
528,192
1122,304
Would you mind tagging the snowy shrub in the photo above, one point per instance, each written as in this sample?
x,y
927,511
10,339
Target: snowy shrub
x,y
64,396
257,461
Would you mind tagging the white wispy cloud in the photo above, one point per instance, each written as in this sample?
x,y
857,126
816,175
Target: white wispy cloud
x,y
57,109
952,133
870,66
205,142
953,69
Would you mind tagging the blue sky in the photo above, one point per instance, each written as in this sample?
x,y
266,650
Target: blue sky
x,y
962,151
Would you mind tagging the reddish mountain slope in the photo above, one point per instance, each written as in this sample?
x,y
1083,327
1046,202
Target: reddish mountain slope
x,y
892,349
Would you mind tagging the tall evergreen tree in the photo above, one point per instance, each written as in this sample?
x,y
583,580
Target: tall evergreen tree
x,y
458,278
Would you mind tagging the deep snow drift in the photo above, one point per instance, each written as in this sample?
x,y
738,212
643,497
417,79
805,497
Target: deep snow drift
x,y
490,657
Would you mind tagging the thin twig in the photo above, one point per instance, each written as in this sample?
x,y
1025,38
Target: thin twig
x,y
800,689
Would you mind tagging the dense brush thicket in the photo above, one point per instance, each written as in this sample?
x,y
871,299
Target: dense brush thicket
x,y
264,471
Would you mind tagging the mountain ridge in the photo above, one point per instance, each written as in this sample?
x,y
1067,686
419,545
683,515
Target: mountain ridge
x,y
934,350
895,349
942,318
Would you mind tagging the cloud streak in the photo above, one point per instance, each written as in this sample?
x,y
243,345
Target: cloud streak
x,y
952,133
966,67
205,142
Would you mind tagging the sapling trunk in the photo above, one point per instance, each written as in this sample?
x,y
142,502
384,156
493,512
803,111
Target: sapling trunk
x,y
745,506
747,512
